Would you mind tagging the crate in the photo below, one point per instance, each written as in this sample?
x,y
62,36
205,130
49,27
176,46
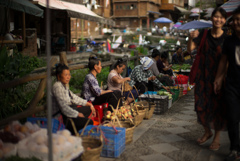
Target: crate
x,y
113,141
42,122
160,101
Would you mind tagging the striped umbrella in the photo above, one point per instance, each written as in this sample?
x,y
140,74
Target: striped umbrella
x,y
230,5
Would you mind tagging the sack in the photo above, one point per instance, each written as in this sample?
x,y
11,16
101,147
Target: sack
x,y
126,87
195,66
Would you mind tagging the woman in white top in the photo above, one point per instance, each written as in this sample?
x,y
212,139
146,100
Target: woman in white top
x,y
115,81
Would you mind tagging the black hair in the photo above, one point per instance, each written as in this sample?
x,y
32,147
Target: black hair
x,y
178,47
59,69
164,55
119,63
236,11
221,10
93,60
155,53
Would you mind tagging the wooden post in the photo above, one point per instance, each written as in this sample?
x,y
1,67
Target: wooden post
x,y
126,63
24,30
112,60
136,62
63,58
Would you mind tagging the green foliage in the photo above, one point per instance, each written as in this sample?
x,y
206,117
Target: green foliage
x,y
15,100
142,50
78,77
16,158
77,80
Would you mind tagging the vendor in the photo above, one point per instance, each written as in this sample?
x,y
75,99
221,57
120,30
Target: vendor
x,y
177,57
64,101
115,81
162,65
143,78
163,78
91,90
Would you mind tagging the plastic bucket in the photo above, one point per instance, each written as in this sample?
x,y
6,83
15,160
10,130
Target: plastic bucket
x,y
182,80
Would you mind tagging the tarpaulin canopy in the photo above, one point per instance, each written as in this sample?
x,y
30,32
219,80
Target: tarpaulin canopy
x,y
182,10
230,5
155,12
75,10
196,25
23,6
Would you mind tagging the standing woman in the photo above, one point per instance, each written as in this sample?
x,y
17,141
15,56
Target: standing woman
x,y
91,89
115,81
209,106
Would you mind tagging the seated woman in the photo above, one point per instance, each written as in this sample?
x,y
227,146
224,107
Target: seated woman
x,y
161,65
64,102
91,90
143,78
115,81
163,78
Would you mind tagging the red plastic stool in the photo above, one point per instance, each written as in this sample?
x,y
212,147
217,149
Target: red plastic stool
x,y
100,111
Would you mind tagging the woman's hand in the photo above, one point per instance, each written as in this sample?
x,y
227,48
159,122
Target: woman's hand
x,y
152,78
93,111
92,108
80,115
194,34
127,79
166,88
217,86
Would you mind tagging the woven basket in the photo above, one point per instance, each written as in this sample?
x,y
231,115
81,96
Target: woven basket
x,y
92,154
180,92
138,118
126,87
150,112
129,129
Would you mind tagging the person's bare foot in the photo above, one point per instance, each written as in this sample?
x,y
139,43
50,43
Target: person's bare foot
x,y
214,146
204,138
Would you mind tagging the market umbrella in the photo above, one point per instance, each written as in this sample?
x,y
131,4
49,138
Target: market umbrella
x,y
193,15
23,6
196,10
209,10
176,26
162,20
195,25
230,5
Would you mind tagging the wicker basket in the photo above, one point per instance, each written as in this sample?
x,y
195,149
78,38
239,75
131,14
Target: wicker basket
x,y
129,129
180,92
149,112
92,154
138,118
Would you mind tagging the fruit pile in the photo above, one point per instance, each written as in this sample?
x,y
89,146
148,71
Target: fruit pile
x,y
12,134
123,113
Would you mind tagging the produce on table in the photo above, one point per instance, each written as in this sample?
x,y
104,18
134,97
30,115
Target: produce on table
x,y
165,93
177,67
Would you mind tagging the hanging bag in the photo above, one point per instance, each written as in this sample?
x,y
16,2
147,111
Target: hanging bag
x,y
195,66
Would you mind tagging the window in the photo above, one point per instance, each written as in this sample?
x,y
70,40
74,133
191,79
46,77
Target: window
x,y
116,7
120,7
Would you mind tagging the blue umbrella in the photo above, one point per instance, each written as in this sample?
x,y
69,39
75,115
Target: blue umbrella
x,y
162,20
178,23
195,25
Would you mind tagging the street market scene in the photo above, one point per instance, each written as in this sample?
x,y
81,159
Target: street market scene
x,y
110,80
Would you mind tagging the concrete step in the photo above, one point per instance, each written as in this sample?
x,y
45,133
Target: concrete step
x,y
203,155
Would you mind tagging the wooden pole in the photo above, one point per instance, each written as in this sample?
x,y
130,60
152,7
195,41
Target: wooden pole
x,y
24,30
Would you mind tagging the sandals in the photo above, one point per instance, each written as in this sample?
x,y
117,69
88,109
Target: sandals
x,y
214,146
201,141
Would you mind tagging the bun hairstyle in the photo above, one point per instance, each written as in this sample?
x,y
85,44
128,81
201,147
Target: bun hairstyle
x,y
59,69
164,55
93,60
119,63
155,53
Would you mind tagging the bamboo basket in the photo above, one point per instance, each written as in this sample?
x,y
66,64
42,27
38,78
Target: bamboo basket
x,y
150,111
92,145
92,154
129,129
